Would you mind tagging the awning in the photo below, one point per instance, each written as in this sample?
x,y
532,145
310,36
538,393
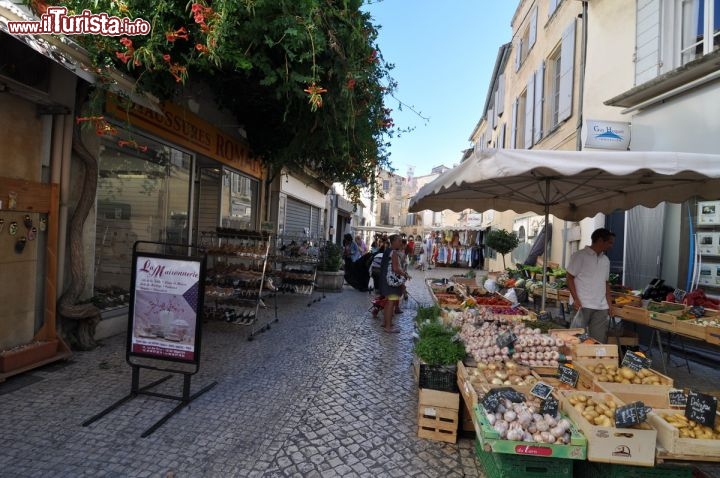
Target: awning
x,y
71,56
386,229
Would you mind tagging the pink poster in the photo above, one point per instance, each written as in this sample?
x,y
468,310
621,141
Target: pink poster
x,y
165,309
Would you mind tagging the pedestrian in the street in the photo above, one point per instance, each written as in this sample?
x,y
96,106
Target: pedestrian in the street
x,y
392,294
588,277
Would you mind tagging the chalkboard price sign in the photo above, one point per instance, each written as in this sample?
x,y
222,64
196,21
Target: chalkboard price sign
x,y
550,406
677,398
491,400
568,375
506,339
544,316
701,408
541,390
635,361
631,414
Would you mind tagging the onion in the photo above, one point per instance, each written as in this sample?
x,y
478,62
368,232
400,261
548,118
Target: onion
x,y
557,432
510,416
547,437
491,418
538,438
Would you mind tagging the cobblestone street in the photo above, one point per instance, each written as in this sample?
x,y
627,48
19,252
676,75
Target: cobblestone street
x,y
324,392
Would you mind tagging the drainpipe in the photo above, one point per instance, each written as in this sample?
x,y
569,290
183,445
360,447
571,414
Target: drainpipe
x,y
581,98
62,157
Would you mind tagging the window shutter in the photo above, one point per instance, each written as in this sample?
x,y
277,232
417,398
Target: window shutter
x,y
533,28
551,7
529,103
539,100
513,124
500,101
647,40
567,64
501,137
489,118
518,54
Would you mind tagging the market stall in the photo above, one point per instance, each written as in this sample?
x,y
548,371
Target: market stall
x,y
553,399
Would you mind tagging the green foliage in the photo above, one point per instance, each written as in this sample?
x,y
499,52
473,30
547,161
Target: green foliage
x,y
427,314
501,241
305,78
435,329
331,259
440,350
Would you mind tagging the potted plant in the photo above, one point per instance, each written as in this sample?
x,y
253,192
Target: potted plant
x,y
330,277
439,351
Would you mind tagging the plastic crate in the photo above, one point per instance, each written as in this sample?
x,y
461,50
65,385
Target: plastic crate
x,y
438,378
590,469
501,465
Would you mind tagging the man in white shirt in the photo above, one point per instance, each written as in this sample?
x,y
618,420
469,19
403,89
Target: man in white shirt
x,y
587,279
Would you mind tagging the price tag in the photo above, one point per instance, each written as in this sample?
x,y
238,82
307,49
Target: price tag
x,y
631,414
600,352
541,390
568,375
550,406
635,361
677,398
544,316
506,339
491,401
701,408
430,412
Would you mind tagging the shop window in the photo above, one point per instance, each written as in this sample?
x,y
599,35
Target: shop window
x,y
672,34
239,201
142,195
385,213
700,29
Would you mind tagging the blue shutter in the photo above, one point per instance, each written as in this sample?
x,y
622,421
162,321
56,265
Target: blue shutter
x,y
532,35
567,64
539,100
529,103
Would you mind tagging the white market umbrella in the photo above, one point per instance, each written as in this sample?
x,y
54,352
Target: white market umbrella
x,y
570,185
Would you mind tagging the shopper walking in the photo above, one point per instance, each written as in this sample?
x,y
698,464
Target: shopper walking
x,y
391,260
588,281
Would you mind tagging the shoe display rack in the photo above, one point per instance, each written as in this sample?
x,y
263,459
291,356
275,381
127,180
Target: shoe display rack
x,y
237,282
295,261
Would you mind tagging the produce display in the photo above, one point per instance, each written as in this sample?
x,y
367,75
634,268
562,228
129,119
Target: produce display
x,y
505,373
598,412
664,307
691,429
530,347
613,373
522,422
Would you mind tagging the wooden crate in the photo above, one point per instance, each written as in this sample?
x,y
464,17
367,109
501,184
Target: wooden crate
x,y
609,444
638,315
465,384
607,353
668,437
690,328
712,334
438,414
490,441
650,395
437,423
436,398
664,320
625,339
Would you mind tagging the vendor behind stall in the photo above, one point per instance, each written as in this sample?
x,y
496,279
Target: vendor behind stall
x,y
588,277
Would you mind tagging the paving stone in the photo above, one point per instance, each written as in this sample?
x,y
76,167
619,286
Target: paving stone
x,y
322,393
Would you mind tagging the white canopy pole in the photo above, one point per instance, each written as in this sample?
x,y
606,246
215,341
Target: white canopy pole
x,y
545,253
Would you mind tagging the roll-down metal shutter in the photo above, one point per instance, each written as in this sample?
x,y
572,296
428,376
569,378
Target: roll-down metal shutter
x,y
301,216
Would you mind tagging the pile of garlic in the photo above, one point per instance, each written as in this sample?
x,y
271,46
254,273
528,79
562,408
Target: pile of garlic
x,y
521,422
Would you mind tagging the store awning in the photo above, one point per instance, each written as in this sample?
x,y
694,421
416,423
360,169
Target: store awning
x,y
71,56
385,229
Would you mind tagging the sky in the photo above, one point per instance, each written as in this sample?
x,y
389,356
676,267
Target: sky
x,y
444,53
